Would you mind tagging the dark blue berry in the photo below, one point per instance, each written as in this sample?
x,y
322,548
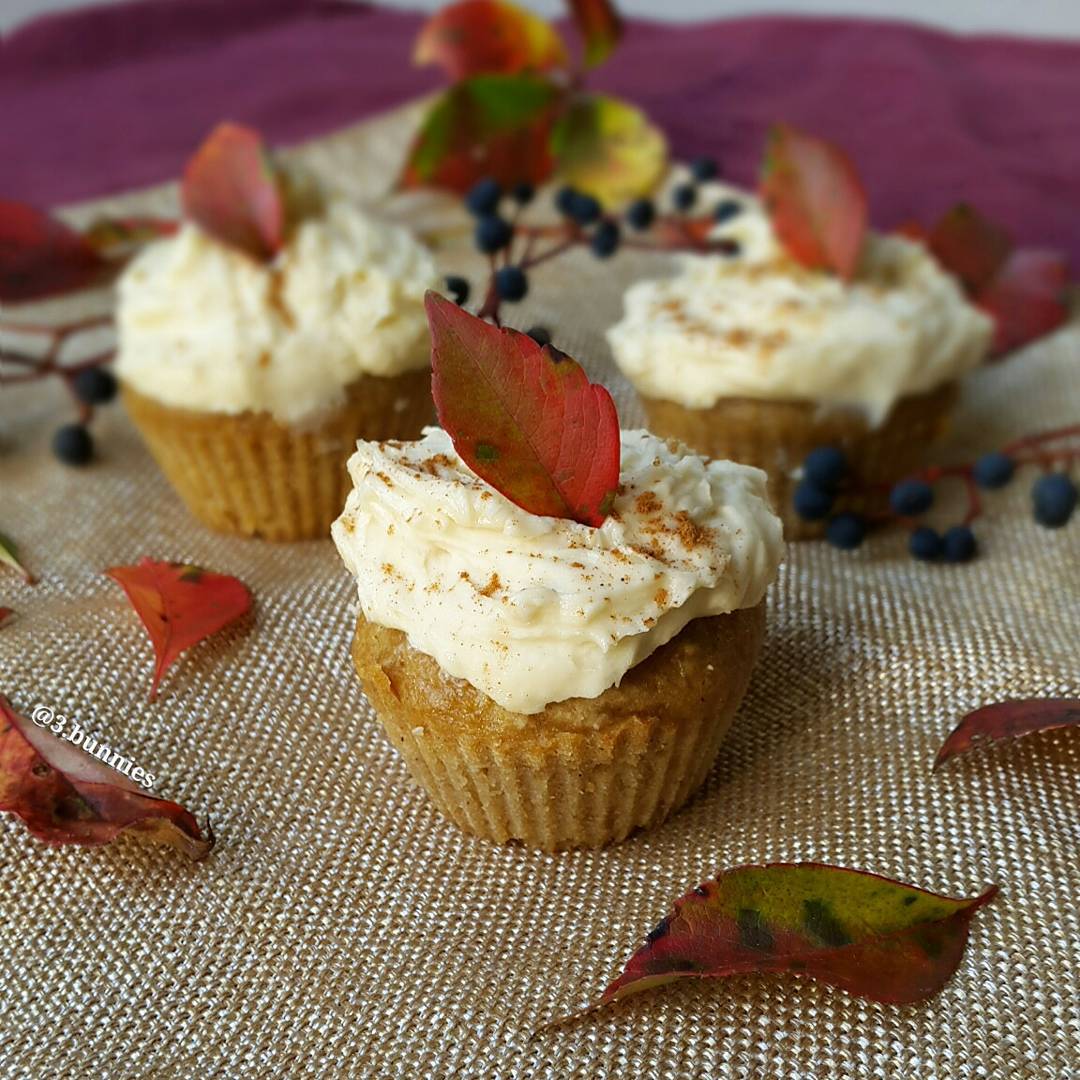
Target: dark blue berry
x,y
95,386
640,214
483,197
684,196
958,544
458,288
993,470
540,334
811,502
523,193
825,466
565,198
725,210
1053,498
492,233
703,168
924,543
511,283
605,240
585,208
72,444
911,497
845,531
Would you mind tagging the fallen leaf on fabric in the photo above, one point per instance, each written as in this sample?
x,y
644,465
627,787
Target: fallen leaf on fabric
x,y
231,190
67,796
524,418
1009,720
489,125
865,934
609,149
815,200
5,614
1027,298
600,27
9,557
970,246
478,37
179,605
41,256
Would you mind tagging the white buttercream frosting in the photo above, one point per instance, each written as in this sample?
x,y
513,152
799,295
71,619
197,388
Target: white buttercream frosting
x,y
202,326
532,610
758,325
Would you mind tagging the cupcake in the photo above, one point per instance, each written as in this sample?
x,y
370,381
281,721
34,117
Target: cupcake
x,y
752,356
250,379
547,681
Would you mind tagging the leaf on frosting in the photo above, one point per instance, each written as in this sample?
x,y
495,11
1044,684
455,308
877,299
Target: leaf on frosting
x,y
871,936
41,256
815,200
970,246
1009,720
179,605
489,125
109,235
600,27
67,796
477,37
1027,298
231,190
609,149
9,557
524,418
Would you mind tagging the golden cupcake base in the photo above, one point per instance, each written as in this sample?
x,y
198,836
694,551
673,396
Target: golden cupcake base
x,y
252,475
583,772
777,435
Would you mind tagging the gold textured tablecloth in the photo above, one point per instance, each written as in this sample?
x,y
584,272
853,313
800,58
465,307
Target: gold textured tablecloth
x,y
342,928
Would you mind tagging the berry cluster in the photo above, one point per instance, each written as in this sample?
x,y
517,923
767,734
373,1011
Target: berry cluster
x,y
89,383
511,246
826,479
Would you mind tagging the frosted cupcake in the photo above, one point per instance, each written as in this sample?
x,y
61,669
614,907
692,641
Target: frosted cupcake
x,y
547,681
755,357
251,379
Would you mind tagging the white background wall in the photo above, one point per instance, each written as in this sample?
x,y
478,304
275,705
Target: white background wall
x,y
1049,18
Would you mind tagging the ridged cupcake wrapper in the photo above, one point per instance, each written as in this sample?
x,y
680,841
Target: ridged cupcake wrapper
x,y
251,475
777,435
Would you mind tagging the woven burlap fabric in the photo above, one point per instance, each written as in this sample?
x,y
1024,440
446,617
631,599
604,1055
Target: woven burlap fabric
x,y
341,927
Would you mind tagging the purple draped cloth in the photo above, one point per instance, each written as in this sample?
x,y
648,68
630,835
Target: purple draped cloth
x,y
111,98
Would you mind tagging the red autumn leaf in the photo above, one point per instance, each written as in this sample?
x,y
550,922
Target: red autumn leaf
x,y
524,418
179,605
600,27
970,246
230,189
65,795
477,37
868,935
815,199
41,256
5,614
1009,720
489,125
1027,298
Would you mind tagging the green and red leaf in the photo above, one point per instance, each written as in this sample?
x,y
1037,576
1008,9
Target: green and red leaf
x,y
871,936
525,419
231,190
1027,298
1009,720
600,27
488,37
41,256
489,125
815,199
180,605
9,557
67,796
609,149
970,246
